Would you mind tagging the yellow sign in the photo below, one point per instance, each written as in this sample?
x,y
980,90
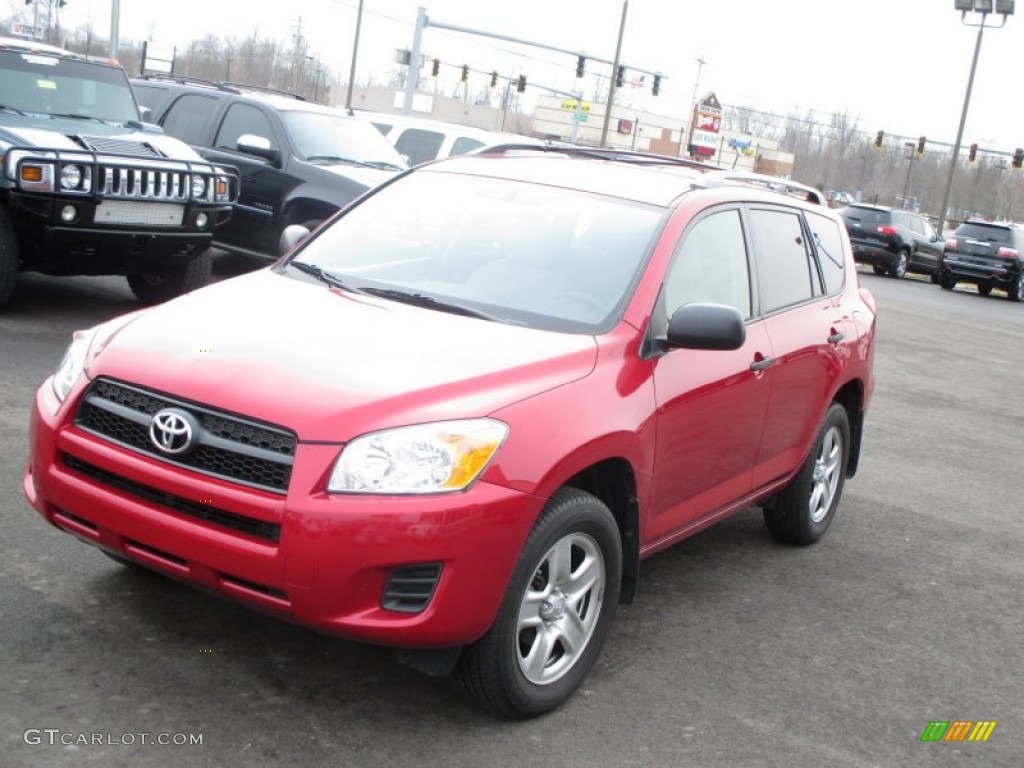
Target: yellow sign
x,y
570,105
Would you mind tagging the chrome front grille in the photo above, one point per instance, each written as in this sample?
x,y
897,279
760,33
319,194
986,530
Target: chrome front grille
x,y
124,183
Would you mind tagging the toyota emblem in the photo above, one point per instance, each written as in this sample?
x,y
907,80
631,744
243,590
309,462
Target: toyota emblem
x,y
173,431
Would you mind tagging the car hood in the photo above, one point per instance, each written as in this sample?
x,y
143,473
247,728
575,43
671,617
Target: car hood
x,y
370,177
57,133
332,365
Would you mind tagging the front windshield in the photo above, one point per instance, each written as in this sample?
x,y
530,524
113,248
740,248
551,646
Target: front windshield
x,y
318,136
38,83
523,253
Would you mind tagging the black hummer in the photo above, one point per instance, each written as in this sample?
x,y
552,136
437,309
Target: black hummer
x,y
87,189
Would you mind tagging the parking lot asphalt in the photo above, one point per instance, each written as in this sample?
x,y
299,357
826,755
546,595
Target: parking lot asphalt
x,y
738,651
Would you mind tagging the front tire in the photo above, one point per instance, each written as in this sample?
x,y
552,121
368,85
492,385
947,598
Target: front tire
x,y
556,613
164,283
947,281
803,510
984,289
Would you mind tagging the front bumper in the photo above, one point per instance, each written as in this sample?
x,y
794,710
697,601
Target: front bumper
x,y
89,246
324,561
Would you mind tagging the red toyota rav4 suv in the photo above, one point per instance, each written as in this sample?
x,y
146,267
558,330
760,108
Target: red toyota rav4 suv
x,y
456,418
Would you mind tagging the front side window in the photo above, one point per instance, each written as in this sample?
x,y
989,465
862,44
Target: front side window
x,y
784,265
710,265
320,137
521,253
240,120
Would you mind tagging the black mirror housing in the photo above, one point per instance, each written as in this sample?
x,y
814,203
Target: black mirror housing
x,y
706,326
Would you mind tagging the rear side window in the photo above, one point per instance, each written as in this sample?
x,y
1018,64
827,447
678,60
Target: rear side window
x,y
188,116
828,242
463,145
784,265
419,145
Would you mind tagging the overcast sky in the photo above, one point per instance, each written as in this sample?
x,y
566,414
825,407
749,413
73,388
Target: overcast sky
x,y
895,65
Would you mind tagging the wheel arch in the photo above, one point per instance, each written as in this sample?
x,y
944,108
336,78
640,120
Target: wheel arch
x,y
613,481
851,397
299,210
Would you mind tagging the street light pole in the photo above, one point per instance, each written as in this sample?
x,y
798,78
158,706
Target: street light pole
x,y
352,71
963,6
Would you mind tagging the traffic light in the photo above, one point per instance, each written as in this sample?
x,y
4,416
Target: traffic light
x,y
581,63
878,139
1018,157
465,72
656,86
521,85
620,76
435,70
920,145
494,78
973,154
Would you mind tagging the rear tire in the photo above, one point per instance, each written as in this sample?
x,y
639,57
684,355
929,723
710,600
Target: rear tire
x,y
804,509
984,290
880,270
165,283
9,259
557,610
899,266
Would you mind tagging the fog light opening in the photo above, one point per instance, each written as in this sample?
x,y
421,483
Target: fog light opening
x,y
202,220
68,214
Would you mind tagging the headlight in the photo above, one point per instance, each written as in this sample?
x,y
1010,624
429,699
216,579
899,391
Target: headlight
x,y
198,187
73,364
70,177
427,458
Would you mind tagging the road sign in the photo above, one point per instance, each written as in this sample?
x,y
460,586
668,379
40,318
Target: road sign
x,y
579,117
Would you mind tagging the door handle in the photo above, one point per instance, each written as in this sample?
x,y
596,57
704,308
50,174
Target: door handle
x,y
836,337
759,365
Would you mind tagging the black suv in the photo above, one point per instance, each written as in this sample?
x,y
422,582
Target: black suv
x,y
87,189
987,255
300,162
893,242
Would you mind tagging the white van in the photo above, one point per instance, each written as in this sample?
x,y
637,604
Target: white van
x,y
420,139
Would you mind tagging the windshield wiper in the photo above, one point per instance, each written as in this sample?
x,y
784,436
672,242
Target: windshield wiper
x,y
429,302
321,274
338,159
13,109
76,116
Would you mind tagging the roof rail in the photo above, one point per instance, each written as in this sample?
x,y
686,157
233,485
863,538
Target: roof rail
x,y
187,80
786,186
604,153
266,89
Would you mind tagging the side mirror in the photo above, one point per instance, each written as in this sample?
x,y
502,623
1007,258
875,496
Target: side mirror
x,y
251,144
291,237
706,326
145,113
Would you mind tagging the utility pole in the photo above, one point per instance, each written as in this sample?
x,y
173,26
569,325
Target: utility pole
x,y
615,74
297,54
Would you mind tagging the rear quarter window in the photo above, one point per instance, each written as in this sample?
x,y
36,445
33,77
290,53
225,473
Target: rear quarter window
x,y
828,243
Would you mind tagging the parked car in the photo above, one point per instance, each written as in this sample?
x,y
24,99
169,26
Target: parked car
x,y
455,419
300,162
988,255
420,140
893,242
87,189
